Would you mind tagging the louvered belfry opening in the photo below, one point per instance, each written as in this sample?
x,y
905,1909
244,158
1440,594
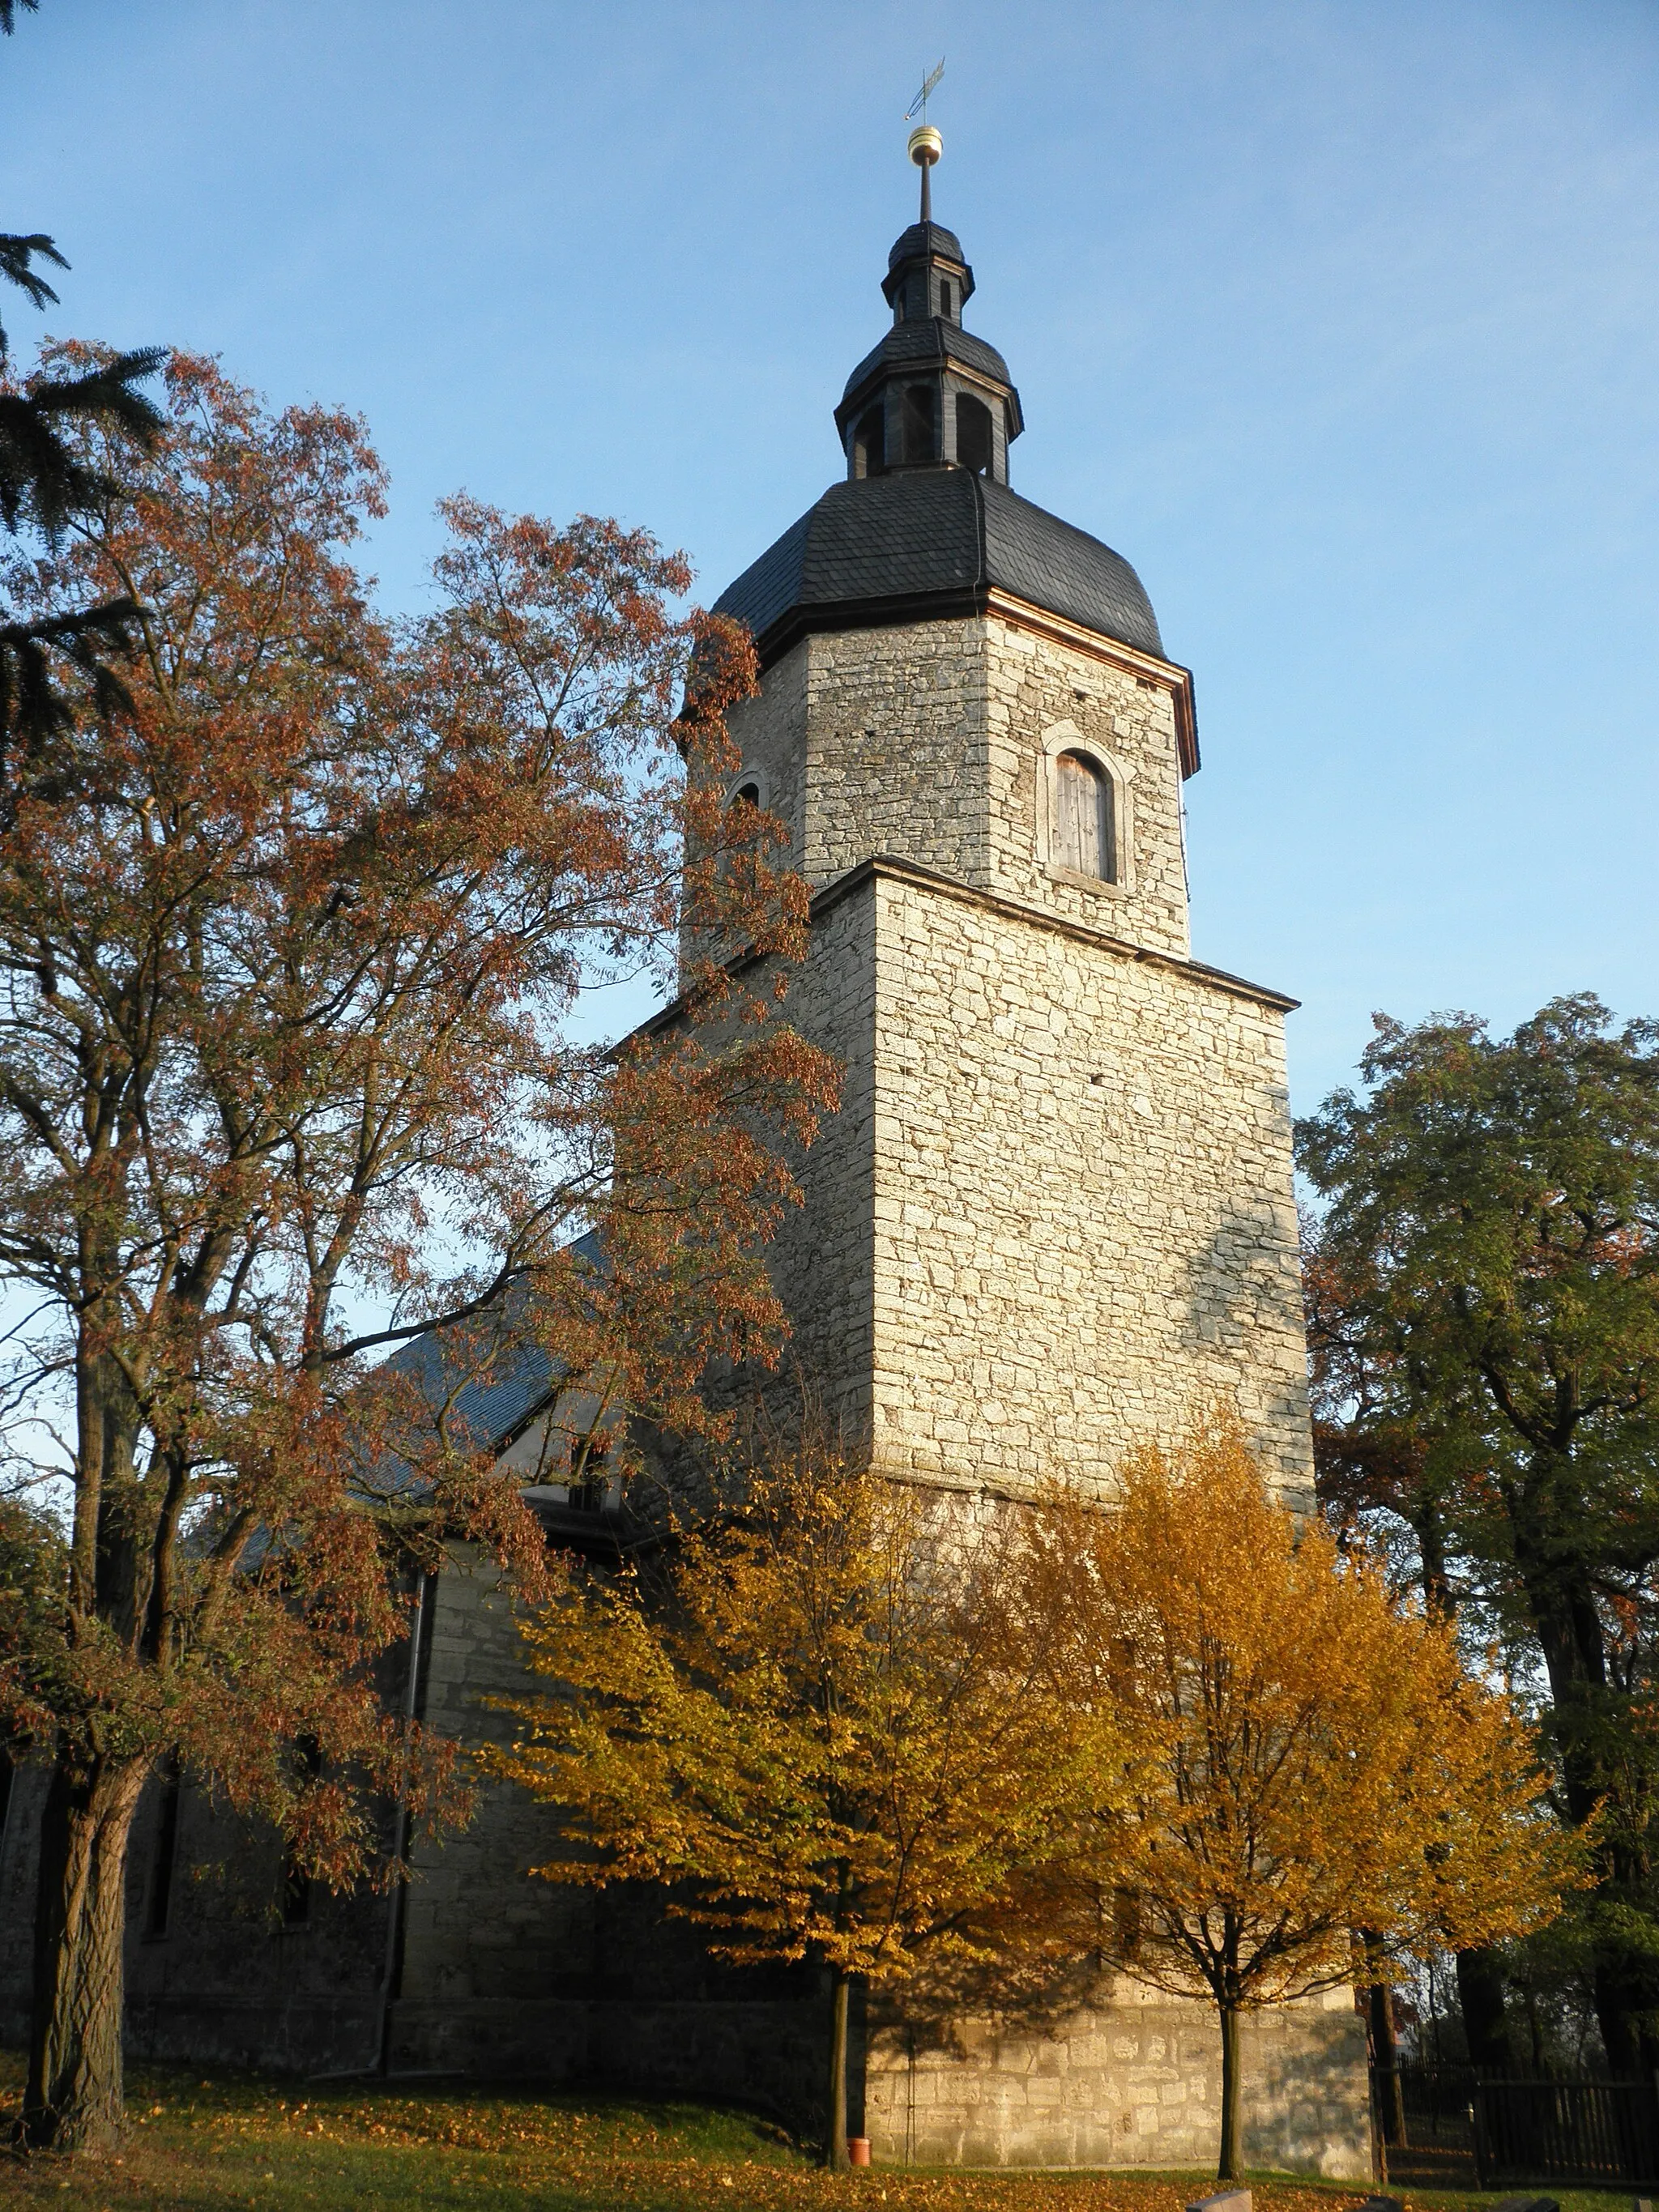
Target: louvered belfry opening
x,y
918,417
931,394
870,443
976,440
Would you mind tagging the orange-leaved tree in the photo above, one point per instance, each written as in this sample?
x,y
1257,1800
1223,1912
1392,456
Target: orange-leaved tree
x,y
288,1073
1309,1758
828,1727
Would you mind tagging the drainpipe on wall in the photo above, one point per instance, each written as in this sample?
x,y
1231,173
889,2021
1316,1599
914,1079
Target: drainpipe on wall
x,y
420,1645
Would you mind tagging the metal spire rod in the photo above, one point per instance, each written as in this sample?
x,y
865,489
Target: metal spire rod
x,y
926,144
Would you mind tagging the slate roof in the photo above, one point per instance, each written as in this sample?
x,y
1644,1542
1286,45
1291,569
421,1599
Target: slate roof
x,y
929,339
923,239
930,545
499,1392
487,1411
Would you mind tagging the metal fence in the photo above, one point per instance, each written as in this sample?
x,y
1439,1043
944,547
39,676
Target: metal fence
x,y
1437,2107
1596,2133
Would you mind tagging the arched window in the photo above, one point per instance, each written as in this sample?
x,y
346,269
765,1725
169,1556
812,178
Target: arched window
x,y
746,795
1084,833
869,444
974,444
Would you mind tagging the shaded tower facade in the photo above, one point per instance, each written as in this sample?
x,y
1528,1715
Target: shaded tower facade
x,y
1054,1218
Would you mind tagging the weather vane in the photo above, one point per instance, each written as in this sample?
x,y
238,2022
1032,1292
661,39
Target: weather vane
x,y
929,83
926,144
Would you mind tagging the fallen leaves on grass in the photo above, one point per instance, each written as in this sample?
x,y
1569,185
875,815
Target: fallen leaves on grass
x,y
211,2147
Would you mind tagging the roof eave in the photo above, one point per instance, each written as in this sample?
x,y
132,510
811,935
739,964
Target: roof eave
x,y
960,602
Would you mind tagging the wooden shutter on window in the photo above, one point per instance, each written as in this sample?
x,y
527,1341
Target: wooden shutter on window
x,y
1083,825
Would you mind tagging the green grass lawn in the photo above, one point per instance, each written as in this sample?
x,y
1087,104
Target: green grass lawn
x,y
234,2142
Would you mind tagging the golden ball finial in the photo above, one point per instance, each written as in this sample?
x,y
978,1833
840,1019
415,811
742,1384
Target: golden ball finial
x,y
925,145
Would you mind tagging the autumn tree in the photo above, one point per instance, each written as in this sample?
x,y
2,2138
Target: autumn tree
x,y
827,1730
291,947
1489,1280
1308,1757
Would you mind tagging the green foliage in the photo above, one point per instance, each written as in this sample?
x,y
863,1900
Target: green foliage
x,y
44,485
1497,1204
1484,1312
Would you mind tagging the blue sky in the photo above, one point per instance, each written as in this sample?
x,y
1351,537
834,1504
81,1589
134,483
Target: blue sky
x,y
1340,320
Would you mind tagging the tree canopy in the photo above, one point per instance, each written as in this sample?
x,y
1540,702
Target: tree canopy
x,y
1483,1318
292,943
46,482
828,1730
1308,1757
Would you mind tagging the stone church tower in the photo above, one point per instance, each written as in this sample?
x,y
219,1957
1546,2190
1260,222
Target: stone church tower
x,y
1055,1217
1052,1220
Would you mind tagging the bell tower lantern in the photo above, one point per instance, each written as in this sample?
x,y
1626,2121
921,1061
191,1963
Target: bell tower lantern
x,y
931,395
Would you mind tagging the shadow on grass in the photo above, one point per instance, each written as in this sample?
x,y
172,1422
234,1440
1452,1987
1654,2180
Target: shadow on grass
x,y
224,2143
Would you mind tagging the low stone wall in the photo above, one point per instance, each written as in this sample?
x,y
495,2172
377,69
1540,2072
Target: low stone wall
x,y
767,2054
310,2035
1137,2083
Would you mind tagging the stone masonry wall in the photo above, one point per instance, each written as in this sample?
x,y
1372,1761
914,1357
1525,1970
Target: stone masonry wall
x,y
1085,1226
501,1976
896,750
1136,2082
927,742
477,1930
19,1858
227,1980
1052,1219
1036,685
507,1976
823,1261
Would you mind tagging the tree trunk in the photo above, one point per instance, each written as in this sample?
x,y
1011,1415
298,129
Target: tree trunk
x,y
1385,2065
73,2101
1230,2165
1480,1994
835,2135
1623,2008
1572,1639
1436,1577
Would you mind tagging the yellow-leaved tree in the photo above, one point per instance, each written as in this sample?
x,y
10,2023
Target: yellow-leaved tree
x,y
1310,1756
830,1729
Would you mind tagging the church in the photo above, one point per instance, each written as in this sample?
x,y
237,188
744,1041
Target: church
x,y
1052,1219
